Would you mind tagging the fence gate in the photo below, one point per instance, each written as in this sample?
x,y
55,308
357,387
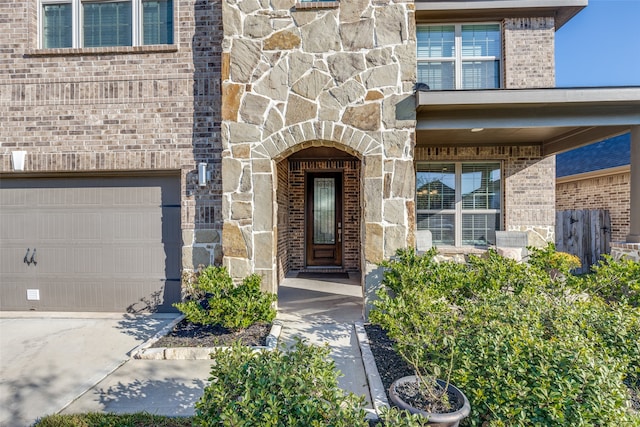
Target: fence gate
x,y
584,233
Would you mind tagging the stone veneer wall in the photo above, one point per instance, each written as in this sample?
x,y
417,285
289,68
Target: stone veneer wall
x,y
528,184
120,109
610,192
621,250
296,76
529,53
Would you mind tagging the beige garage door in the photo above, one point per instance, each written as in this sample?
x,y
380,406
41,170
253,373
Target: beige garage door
x,y
90,244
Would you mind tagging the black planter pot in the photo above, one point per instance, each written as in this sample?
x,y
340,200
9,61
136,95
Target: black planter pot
x,y
449,419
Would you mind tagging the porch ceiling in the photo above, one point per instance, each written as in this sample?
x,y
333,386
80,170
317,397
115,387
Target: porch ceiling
x,y
557,119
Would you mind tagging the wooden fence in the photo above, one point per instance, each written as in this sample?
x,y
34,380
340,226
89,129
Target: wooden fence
x,y
585,234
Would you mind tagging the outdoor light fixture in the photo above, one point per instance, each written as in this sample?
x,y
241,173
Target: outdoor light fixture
x,y
17,158
204,176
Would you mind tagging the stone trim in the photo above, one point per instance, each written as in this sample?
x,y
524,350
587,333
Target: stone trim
x,y
291,139
623,250
317,5
92,161
146,352
111,50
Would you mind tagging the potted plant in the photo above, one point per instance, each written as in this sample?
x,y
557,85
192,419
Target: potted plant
x,y
422,322
443,404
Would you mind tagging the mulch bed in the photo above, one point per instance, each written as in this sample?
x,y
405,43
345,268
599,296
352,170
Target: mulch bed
x,y
390,365
186,334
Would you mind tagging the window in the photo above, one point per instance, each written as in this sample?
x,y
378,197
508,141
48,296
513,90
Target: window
x,y
460,56
460,203
91,23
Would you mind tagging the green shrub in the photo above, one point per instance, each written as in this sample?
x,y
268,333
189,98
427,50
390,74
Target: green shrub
x,y
410,272
214,300
534,359
394,417
558,265
615,280
526,347
291,388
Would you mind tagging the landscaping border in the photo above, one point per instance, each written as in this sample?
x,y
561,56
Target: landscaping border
x,y
144,351
376,388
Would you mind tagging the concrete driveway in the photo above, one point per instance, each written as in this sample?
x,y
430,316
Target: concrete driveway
x,y
49,359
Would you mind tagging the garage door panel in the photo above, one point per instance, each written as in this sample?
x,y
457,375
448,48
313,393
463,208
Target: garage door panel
x,y
102,243
138,226
90,197
87,261
12,259
17,225
129,261
14,295
86,226
53,226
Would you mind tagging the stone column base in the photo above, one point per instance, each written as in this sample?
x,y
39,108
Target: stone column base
x,y
625,250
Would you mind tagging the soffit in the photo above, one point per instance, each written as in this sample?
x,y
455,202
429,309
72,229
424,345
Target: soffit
x,y
556,119
434,11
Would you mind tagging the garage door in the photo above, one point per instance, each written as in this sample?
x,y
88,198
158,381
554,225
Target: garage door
x,y
90,244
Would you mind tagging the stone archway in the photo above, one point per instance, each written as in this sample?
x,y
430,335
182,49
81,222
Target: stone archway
x,y
250,204
250,182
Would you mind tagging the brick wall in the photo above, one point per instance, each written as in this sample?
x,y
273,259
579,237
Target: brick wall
x,y
282,198
605,192
350,210
124,109
529,56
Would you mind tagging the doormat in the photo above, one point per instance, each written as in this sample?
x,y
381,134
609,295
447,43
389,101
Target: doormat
x,y
322,275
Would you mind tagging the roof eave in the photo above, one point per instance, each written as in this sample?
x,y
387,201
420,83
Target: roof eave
x,y
440,11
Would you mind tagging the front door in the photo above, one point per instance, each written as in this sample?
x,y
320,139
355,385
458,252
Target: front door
x,y
324,219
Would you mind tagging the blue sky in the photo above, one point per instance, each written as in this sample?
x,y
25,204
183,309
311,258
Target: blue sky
x,y
600,46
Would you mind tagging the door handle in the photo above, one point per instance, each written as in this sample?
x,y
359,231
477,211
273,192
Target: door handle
x,y
31,260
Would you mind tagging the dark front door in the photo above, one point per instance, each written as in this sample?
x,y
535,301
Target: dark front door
x,y
324,219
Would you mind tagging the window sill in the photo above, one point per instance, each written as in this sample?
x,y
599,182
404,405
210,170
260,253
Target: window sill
x,y
462,250
110,50
317,5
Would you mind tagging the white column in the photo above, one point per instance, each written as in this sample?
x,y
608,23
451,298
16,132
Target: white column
x,y
634,220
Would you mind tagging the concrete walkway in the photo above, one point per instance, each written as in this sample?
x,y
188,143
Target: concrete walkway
x,y
324,311
318,310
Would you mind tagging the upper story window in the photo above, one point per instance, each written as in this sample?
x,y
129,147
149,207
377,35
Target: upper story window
x,y
99,23
459,56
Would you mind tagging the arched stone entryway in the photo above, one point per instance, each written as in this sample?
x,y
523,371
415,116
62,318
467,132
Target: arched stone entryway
x,y
250,197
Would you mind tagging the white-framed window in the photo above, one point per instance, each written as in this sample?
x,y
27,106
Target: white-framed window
x,y
459,202
99,23
459,56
